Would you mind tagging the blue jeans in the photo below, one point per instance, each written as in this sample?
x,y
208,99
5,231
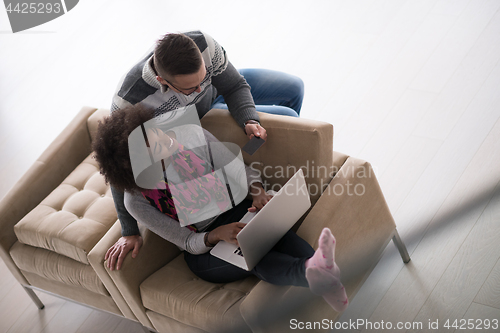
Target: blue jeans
x,y
272,91
283,265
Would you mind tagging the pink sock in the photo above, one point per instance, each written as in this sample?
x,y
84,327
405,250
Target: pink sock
x,y
323,274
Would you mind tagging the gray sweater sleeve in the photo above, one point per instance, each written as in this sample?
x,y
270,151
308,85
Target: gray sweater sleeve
x,y
236,92
164,226
128,223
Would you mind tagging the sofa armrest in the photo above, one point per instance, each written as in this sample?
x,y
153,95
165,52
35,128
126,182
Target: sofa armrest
x,y
354,208
68,150
155,253
96,260
271,308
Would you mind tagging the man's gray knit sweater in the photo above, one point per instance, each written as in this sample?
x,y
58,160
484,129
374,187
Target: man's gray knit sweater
x,y
140,85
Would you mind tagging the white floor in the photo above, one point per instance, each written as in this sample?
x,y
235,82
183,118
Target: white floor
x,y
411,86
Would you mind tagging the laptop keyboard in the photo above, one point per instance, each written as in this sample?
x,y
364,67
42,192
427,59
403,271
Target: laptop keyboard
x,y
238,252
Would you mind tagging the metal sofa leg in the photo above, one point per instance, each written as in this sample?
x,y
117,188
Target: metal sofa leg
x,y
401,247
34,297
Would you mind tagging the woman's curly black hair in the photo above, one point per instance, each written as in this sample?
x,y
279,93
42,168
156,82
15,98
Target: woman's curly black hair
x,y
110,145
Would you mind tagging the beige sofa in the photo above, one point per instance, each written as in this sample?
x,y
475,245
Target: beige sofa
x,y
59,220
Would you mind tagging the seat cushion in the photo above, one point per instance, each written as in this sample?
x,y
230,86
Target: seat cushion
x,y
73,217
55,267
174,291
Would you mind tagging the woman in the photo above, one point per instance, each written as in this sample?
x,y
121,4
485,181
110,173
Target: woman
x,y
178,201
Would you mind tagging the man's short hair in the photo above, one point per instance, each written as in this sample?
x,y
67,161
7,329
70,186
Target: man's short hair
x,y
176,54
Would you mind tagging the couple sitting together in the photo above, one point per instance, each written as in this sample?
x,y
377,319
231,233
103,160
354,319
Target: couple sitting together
x,y
169,183
170,179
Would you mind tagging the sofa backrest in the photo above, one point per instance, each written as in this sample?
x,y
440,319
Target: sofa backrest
x,y
93,121
292,143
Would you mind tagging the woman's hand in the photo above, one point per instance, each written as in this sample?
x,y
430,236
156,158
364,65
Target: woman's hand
x,y
118,252
259,196
226,233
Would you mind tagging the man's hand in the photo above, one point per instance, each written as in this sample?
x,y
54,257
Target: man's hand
x,y
118,252
255,130
226,233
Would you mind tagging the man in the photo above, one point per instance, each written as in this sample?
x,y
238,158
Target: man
x,y
192,68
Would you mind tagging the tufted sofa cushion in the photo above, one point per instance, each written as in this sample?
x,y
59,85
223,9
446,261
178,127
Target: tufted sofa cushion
x,y
56,267
74,217
174,291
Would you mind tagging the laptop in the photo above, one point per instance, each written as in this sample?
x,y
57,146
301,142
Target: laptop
x,y
266,227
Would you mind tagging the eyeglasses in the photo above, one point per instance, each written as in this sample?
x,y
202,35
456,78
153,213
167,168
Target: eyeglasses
x,y
185,91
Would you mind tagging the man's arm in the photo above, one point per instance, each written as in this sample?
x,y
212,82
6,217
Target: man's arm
x,y
236,92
